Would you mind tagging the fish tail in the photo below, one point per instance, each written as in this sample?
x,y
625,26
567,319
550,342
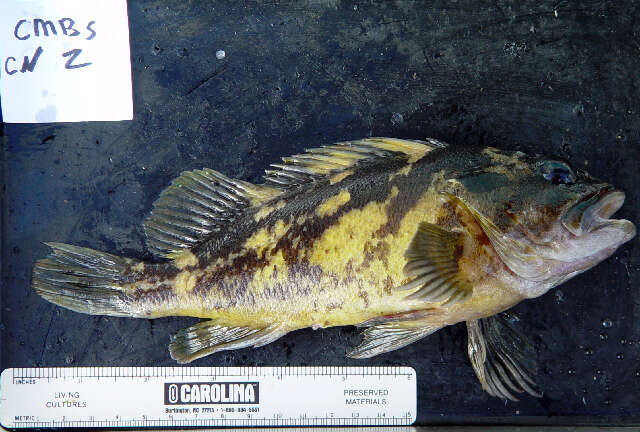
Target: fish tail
x,y
84,280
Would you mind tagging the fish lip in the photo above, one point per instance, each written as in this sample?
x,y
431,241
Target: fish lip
x,y
594,211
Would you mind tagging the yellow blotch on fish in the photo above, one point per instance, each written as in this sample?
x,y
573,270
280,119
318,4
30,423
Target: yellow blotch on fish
x,y
138,267
274,271
266,210
184,258
332,204
185,282
337,178
265,238
343,241
263,213
404,171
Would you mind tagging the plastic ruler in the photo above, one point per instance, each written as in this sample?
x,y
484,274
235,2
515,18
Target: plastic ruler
x,y
207,396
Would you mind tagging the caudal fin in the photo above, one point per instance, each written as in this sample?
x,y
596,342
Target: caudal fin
x,y
83,280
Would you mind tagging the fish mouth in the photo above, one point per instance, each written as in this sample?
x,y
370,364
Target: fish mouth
x,y
593,213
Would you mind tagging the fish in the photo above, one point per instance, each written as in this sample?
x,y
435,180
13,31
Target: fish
x,y
398,237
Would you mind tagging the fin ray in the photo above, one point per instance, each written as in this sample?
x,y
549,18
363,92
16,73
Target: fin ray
x,y
208,337
432,259
200,203
196,205
502,358
390,336
83,280
323,162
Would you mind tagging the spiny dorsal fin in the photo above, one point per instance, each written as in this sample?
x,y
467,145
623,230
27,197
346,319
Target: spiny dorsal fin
x,y
334,160
197,204
502,358
432,259
208,337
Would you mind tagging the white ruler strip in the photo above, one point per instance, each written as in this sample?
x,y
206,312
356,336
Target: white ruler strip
x,y
207,396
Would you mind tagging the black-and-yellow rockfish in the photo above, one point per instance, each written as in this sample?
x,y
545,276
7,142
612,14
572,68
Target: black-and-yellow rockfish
x,y
401,237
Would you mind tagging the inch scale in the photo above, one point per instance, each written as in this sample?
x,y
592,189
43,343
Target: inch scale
x,y
207,396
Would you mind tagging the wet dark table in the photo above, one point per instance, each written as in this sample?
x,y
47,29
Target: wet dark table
x,y
551,77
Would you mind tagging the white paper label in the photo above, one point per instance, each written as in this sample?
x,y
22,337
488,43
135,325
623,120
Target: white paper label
x,y
64,61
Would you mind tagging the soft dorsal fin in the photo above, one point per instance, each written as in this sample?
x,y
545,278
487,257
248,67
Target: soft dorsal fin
x,y
197,204
334,160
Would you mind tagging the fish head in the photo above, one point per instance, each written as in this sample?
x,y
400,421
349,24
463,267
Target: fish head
x,y
547,221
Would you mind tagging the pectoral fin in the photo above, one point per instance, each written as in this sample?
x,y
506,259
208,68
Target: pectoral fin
x,y
432,259
390,336
208,337
502,358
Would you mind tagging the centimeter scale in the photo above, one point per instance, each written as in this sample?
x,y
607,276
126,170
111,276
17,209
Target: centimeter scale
x,y
207,396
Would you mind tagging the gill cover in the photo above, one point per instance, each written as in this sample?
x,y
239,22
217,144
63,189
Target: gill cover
x,y
520,257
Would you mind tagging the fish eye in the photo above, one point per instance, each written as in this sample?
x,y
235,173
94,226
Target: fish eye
x,y
557,172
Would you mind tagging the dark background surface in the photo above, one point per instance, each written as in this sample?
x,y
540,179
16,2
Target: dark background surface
x,y
551,77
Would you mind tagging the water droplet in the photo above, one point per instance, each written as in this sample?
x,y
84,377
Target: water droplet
x,y
571,371
220,54
588,351
604,336
68,359
620,356
607,323
397,118
599,371
638,373
607,402
623,341
607,388
559,296
585,391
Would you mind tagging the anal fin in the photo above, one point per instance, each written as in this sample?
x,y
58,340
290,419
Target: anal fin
x,y
502,358
390,336
208,337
